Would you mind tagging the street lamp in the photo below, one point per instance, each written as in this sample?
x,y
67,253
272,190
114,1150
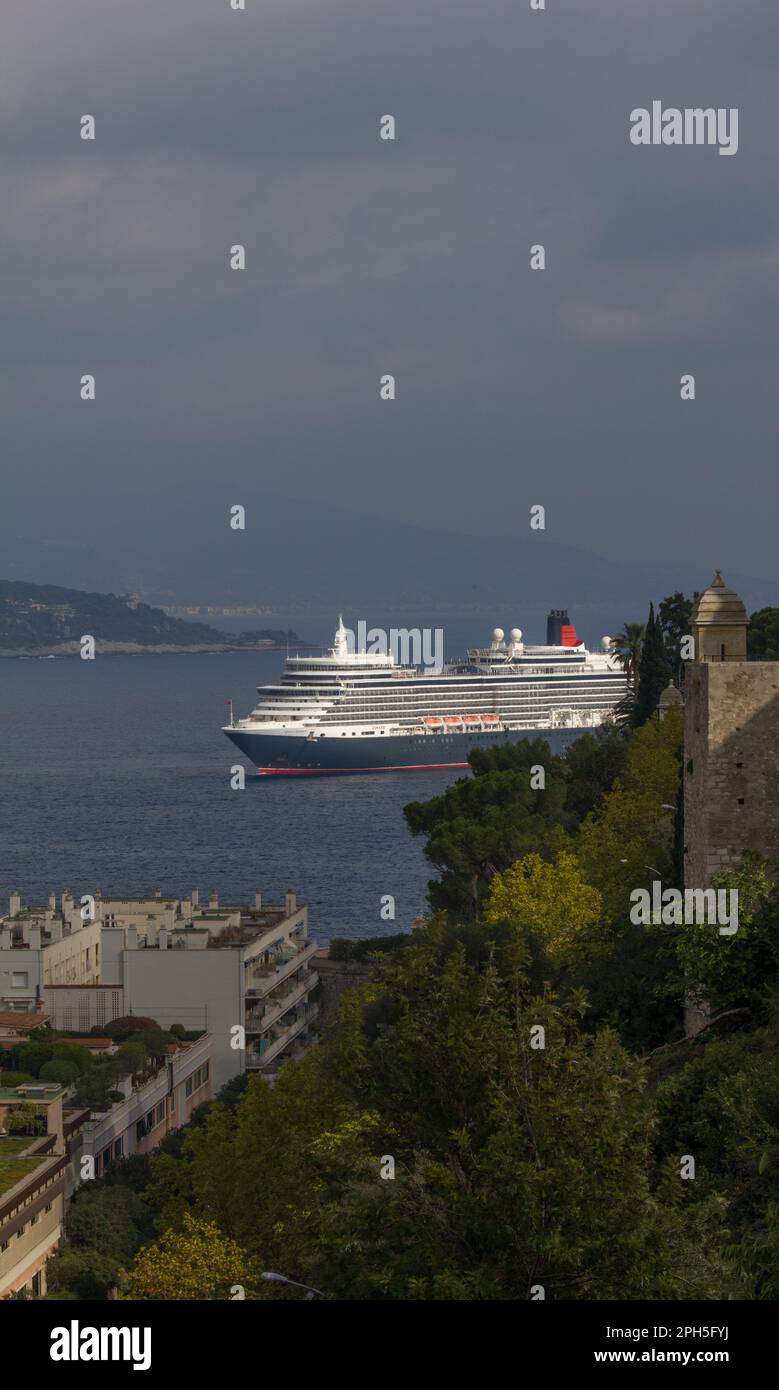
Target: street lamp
x,y
651,868
273,1278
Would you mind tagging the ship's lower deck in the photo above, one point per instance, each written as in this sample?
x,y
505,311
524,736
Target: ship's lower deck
x,y
293,755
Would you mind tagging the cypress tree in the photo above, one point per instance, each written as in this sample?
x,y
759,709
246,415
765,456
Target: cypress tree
x,y
653,672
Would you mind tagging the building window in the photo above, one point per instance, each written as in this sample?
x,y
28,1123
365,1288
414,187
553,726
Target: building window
x,y
118,1148
19,979
741,801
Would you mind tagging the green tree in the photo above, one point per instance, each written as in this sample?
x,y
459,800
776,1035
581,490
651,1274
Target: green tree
x,y
763,635
515,1164
196,1262
81,1273
674,617
654,671
592,764
109,1219
734,969
31,1056
97,1087
624,844
486,822
121,1028
59,1070
75,1053
552,898
627,647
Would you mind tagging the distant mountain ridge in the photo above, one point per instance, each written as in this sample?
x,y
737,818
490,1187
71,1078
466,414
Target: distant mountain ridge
x,y
177,547
48,616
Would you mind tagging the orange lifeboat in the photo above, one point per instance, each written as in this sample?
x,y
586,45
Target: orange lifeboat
x,y
434,723
472,719
453,719
490,718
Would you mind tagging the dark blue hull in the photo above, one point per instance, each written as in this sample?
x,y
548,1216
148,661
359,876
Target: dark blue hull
x,y
277,755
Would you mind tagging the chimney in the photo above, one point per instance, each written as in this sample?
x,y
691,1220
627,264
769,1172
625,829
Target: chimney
x,y
195,897
52,902
257,900
14,904
158,892
292,902
214,899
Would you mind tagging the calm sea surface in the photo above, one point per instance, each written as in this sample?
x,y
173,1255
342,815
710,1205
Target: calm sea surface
x,y
114,774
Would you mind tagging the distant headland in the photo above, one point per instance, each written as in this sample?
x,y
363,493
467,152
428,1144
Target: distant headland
x,y
46,620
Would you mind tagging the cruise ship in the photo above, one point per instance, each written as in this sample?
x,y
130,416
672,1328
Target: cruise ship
x,y
363,711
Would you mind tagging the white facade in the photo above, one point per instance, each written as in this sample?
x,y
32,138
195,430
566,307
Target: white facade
x,y
242,973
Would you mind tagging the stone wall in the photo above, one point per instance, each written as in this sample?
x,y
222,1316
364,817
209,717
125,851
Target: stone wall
x,y
336,976
731,765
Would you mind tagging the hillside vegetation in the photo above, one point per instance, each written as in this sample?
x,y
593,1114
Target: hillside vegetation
x,y
33,616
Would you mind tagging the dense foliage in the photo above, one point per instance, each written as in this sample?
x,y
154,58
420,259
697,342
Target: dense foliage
x,y
509,1103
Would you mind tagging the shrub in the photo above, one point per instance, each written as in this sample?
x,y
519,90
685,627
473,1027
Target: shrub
x,y
59,1070
80,1056
341,949
122,1028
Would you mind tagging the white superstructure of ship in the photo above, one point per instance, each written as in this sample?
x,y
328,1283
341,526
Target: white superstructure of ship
x,y
358,711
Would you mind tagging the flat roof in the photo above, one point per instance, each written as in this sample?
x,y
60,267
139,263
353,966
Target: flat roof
x,y
12,1170
48,1090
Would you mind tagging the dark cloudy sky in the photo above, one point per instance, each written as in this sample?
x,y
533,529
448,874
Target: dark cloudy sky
x,y
365,257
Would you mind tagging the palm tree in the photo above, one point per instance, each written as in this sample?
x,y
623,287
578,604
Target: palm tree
x,y
626,646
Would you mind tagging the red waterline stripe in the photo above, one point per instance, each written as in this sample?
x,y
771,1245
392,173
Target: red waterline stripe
x,y
401,767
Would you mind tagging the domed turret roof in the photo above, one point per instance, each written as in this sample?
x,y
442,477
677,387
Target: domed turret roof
x,y
670,697
719,605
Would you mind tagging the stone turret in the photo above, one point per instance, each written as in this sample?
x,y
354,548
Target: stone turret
x,y
719,623
670,698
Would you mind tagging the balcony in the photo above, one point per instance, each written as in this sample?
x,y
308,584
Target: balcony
x,y
262,982
256,1061
257,1020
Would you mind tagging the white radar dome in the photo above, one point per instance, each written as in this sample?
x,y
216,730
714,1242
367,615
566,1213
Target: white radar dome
x,y
606,643
516,634
497,635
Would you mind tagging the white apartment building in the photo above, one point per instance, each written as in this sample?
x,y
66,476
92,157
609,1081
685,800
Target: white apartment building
x,y
244,973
